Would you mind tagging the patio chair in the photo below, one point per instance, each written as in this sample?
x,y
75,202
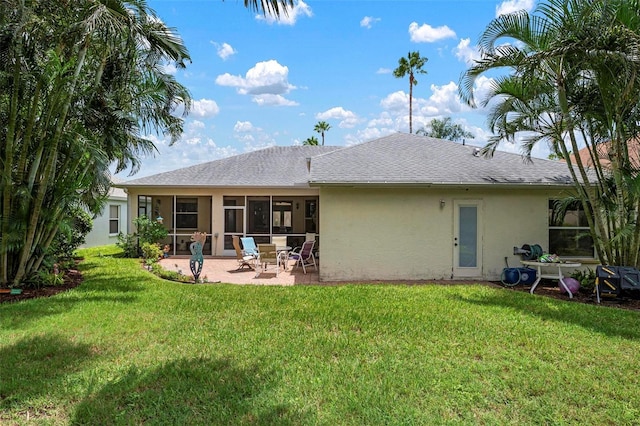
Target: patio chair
x,y
249,246
281,246
248,260
267,255
304,256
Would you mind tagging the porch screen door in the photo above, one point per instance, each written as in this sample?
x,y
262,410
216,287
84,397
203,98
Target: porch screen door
x,y
467,239
233,225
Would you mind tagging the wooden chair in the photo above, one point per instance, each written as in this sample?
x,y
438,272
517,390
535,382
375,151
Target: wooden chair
x,y
243,259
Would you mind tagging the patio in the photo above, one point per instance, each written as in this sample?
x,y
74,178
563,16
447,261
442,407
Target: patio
x,y
224,269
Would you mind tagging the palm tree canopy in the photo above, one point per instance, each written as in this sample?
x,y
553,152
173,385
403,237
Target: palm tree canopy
x,y
573,80
310,141
445,129
410,66
322,127
270,7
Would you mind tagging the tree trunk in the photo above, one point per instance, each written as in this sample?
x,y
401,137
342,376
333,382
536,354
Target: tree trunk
x,y
410,103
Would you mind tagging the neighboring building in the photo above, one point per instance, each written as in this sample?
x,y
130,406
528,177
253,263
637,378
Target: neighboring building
x,y
113,220
402,207
603,150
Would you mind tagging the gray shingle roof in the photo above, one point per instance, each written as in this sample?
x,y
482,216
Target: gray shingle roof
x,y
398,159
403,158
278,166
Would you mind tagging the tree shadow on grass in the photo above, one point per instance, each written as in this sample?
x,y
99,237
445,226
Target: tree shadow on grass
x,y
612,322
37,366
21,314
188,391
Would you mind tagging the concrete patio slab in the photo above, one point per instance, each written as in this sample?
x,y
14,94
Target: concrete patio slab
x,y
225,270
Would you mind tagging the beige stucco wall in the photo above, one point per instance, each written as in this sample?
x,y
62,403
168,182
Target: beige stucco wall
x,y
405,234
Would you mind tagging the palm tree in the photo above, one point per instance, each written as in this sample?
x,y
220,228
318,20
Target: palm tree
x,y
575,76
410,66
322,127
270,7
83,105
310,141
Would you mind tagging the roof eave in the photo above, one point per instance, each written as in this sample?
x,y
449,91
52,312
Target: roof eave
x,y
509,185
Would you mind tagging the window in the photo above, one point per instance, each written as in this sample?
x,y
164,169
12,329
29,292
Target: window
x,y
569,234
114,219
281,212
186,213
311,216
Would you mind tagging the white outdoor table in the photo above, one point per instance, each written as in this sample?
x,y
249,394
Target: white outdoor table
x,y
557,275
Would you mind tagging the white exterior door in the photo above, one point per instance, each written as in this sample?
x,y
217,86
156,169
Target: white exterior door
x,y
467,239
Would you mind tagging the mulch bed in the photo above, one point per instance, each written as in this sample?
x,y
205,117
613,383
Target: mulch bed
x,y
550,288
73,278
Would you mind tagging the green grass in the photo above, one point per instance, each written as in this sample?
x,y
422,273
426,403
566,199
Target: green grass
x,y
129,348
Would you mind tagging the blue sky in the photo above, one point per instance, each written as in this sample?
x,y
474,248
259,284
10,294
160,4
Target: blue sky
x,y
257,82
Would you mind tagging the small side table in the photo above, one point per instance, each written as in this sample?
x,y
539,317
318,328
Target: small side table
x,y
557,275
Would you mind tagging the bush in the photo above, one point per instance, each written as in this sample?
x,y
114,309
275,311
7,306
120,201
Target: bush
x,y
158,270
586,278
71,234
151,253
129,244
149,232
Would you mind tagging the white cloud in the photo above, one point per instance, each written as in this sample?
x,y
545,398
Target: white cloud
x,y
384,120
368,134
368,21
383,71
510,6
244,126
195,125
396,101
466,53
428,34
444,99
273,100
205,108
290,17
266,82
224,50
170,69
348,118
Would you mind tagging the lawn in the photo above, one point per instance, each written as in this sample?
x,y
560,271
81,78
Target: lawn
x,y
129,348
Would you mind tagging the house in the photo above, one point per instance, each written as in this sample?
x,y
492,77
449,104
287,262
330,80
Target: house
x,y
604,151
401,207
110,222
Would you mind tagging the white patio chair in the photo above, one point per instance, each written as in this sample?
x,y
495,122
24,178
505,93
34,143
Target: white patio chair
x,y
304,257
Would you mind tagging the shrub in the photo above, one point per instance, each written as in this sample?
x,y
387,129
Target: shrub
x,y
586,278
149,232
71,234
129,244
158,270
151,252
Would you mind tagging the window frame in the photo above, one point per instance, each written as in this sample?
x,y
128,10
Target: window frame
x,y
578,229
114,219
186,215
